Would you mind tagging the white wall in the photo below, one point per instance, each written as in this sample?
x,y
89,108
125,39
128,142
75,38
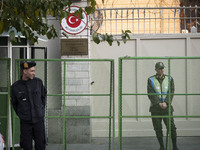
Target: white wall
x,y
135,74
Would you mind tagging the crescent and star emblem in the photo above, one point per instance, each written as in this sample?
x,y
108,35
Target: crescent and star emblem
x,y
72,24
73,21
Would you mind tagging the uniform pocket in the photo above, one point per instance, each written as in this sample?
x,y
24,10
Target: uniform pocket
x,y
39,107
37,98
23,103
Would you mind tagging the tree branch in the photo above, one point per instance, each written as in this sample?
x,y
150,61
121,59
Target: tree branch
x,y
1,8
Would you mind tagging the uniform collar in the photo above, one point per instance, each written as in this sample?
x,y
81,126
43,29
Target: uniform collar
x,y
161,77
25,81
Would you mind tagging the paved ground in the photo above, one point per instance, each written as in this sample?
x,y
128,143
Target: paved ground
x,y
145,143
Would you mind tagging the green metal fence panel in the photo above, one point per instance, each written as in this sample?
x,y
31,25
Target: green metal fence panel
x,y
14,117
135,66
4,97
80,102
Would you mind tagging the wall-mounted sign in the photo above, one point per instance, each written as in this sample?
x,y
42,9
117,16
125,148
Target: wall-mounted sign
x,y
73,24
74,46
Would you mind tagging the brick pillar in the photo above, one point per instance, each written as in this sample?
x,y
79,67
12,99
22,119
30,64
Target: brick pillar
x,y
77,82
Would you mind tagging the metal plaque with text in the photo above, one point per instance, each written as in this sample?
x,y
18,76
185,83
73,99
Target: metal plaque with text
x,y
74,46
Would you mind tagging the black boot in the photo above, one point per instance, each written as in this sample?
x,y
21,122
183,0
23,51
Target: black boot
x,y
160,140
174,144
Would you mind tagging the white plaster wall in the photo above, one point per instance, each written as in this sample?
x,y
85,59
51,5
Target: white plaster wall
x,y
103,51
135,74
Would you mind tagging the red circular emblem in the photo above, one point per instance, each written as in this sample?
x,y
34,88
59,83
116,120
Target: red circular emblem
x,y
73,21
73,24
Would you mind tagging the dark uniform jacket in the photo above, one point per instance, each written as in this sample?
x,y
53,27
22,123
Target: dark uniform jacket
x,y
155,99
28,99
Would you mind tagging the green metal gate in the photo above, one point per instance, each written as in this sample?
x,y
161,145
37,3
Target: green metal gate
x,y
133,98
4,97
80,103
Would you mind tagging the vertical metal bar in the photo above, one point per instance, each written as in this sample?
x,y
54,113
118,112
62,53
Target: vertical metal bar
x,y
45,83
174,19
120,106
13,129
149,21
138,21
101,21
196,17
116,19
91,25
13,113
121,19
186,75
93,22
155,19
26,51
127,19
162,21
136,85
112,116
110,108
105,20
133,20
64,107
144,21
45,57
184,17
8,102
113,99
169,94
111,21
179,16
168,21
190,18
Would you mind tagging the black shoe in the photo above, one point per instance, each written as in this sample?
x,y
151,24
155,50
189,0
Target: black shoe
x,y
162,148
175,148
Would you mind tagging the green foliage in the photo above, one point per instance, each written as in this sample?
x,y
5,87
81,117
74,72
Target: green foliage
x,y
97,37
90,9
29,16
125,35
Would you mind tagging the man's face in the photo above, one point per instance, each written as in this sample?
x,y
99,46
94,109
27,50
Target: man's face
x,y
29,73
160,71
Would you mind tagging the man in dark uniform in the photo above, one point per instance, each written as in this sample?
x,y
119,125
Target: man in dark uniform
x,y
28,98
159,84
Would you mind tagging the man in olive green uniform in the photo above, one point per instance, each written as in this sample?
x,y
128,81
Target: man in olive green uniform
x,y
159,84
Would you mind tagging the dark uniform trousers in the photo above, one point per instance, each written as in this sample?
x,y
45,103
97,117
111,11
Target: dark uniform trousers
x,y
157,124
30,132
